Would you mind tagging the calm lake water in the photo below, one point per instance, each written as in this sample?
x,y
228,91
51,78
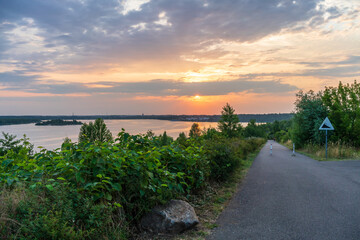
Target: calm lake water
x,y
51,137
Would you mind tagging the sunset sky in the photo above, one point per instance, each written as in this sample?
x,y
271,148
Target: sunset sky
x,y
172,56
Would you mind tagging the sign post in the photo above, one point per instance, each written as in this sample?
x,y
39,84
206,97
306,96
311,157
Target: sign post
x,y
327,126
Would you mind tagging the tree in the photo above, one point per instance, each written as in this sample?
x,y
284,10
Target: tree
x,y
310,113
195,130
150,134
8,142
96,131
253,130
229,121
343,105
182,139
165,139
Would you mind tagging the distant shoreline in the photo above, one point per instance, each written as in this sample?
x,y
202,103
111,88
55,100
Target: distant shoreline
x,y
264,118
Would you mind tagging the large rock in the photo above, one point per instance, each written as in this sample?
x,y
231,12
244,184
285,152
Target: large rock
x,y
174,217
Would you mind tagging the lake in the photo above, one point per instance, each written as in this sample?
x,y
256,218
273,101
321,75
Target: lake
x,y
51,137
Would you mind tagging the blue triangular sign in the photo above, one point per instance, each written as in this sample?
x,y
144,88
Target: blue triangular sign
x,y
326,125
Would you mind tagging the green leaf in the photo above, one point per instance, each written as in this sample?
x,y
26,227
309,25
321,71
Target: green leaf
x,y
50,187
88,185
150,174
61,178
108,196
116,186
118,205
79,178
7,162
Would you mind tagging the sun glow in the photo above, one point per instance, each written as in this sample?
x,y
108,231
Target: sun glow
x,y
197,97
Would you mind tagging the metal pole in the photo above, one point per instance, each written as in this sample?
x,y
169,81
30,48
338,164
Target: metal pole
x,y
326,146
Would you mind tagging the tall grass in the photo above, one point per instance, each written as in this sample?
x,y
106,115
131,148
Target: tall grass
x,y
336,151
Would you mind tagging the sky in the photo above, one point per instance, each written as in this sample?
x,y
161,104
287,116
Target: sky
x,y
172,57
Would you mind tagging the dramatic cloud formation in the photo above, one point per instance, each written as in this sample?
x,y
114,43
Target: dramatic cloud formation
x,y
167,51
156,87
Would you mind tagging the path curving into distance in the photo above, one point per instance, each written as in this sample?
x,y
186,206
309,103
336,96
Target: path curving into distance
x,y
285,197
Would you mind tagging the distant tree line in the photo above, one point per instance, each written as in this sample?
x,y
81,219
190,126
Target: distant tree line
x,y
271,117
12,121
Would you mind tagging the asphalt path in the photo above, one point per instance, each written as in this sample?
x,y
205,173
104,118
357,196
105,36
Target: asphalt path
x,y
286,197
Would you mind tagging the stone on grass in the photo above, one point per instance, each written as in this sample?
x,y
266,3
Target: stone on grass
x,y
174,217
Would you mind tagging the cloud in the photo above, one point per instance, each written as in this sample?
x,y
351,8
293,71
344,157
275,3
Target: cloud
x,y
349,67
16,78
157,87
83,32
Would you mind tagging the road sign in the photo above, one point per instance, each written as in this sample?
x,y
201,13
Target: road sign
x,y
326,125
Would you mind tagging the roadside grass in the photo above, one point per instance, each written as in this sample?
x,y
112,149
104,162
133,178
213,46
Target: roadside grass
x,y
211,201
336,151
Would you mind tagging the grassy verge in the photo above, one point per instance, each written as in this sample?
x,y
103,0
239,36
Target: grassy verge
x,y
210,202
336,152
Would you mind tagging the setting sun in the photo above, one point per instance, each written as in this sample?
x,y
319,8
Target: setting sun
x,y
145,54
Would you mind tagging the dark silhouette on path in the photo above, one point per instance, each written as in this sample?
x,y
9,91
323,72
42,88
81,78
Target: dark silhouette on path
x,y
285,197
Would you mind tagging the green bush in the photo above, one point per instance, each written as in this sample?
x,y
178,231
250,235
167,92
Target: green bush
x,y
225,154
61,213
92,189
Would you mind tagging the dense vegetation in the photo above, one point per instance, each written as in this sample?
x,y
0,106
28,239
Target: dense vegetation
x,y
58,122
99,188
341,104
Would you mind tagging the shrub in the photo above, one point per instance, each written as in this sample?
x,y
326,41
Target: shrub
x,y
61,213
92,189
225,155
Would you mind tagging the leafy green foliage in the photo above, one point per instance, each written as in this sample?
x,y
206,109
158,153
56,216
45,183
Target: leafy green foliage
x,y
59,213
94,188
310,113
195,130
225,154
229,121
9,143
165,139
343,105
96,131
254,130
221,154
182,139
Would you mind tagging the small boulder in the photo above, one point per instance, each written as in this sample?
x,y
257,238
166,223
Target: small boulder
x,y
174,217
